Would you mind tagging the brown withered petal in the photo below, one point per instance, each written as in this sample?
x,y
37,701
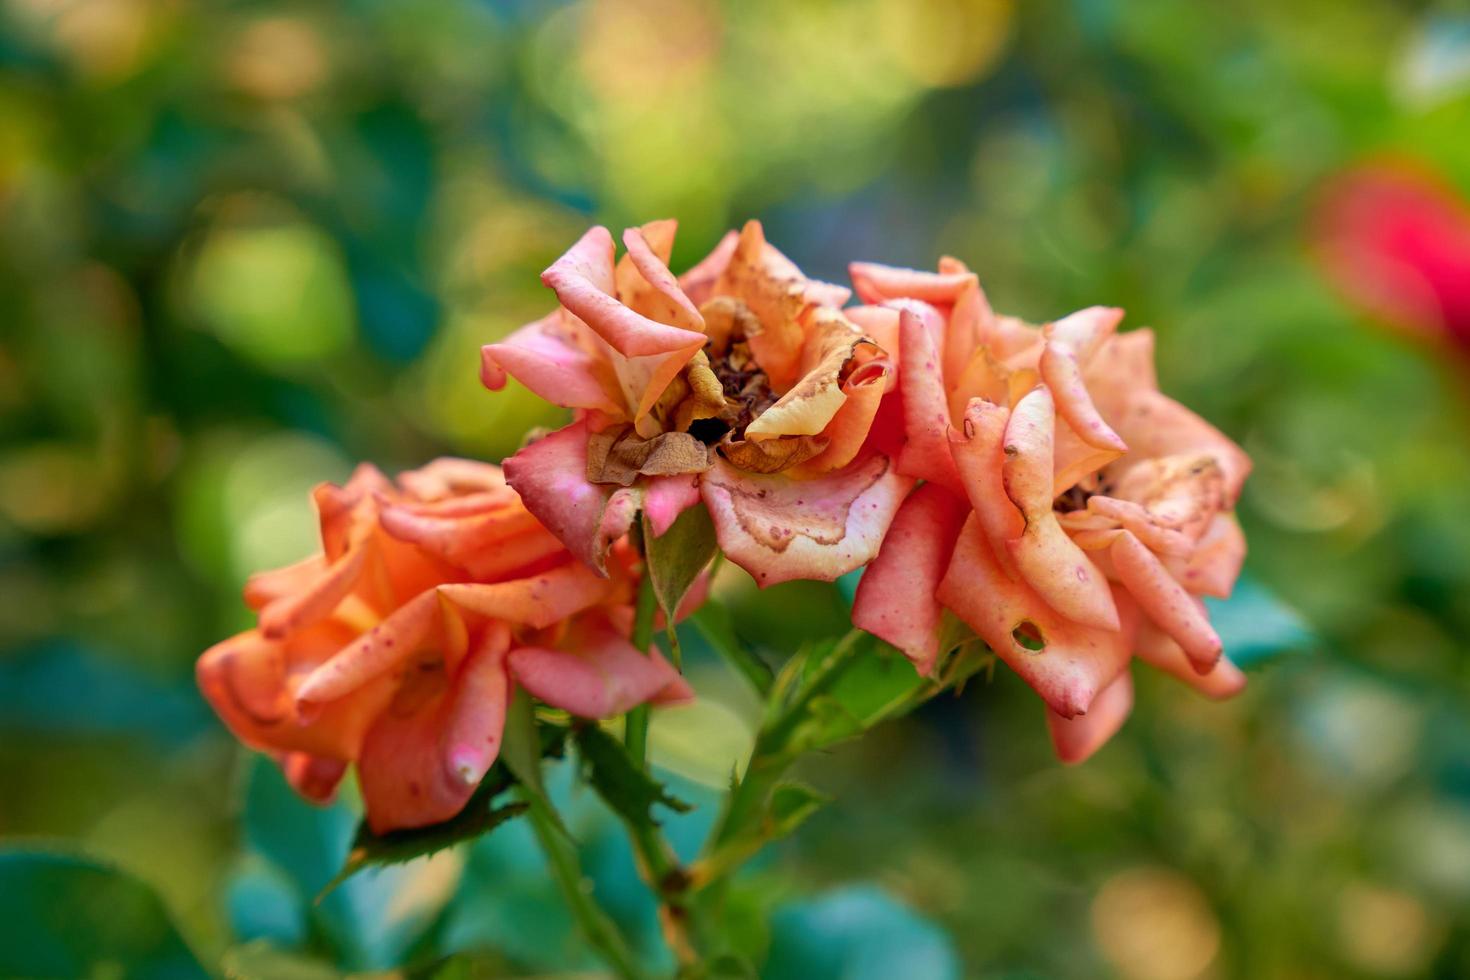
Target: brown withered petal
x,y
772,455
620,456
815,398
704,398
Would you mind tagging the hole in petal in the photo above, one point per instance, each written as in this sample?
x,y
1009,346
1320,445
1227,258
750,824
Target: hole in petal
x,y
1028,635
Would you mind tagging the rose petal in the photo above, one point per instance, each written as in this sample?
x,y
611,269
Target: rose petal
x,y
896,598
875,283
778,528
1046,557
1073,663
666,497
1165,601
979,456
551,476
1070,343
420,766
645,283
698,283
925,454
1158,649
1214,565
603,676
1076,739
551,358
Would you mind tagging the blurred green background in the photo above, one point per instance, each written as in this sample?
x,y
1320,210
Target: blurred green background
x,y
243,245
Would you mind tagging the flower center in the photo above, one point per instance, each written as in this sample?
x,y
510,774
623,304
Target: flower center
x,y
746,388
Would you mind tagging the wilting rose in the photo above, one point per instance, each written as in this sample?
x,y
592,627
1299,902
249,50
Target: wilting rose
x,y
1071,515
740,383
396,648
1396,241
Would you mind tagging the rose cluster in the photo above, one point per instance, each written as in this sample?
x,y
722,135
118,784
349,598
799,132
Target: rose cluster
x,y
1029,482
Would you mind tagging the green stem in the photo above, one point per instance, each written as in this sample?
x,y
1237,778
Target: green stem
x,y
772,755
660,864
576,890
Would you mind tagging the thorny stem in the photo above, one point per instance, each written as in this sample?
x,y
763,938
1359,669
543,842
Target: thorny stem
x,y
772,754
600,930
656,858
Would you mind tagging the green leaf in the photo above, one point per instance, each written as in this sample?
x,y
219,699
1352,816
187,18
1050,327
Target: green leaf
x,y
857,933
1255,626
787,807
624,785
478,818
676,559
715,625
841,698
65,915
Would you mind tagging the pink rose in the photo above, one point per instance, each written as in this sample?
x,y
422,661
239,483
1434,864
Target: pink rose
x,y
741,384
1072,515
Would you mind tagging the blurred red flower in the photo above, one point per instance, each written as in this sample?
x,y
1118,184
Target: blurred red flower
x,y
1395,239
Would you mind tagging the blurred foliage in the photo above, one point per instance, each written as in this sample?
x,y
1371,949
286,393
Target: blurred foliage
x,y
244,245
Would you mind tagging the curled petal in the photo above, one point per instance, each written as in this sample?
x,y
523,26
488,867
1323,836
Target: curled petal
x,y
553,359
314,778
472,540
1158,649
875,283
263,588
604,675
775,291
896,599
1155,425
422,761
538,602
451,479
1165,601
699,282
970,321
848,431
666,497
383,647
1046,557
1212,567
292,612
1063,661
1070,342
652,352
979,456
645,283
778,528
879,323
1076,739
811,403
250,683
1136,519
925,454
551,476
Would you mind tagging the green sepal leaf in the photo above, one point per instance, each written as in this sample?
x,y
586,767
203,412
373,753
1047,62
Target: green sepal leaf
x,y
622,784
478,818
677,557
715,625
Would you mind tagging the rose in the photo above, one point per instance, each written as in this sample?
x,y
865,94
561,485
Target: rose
x,y
741,384
1396,241
397,647
1072,514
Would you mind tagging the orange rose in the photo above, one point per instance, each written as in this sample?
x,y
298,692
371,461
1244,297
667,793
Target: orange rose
x,y
1072,514
741,384
396,647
